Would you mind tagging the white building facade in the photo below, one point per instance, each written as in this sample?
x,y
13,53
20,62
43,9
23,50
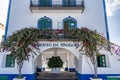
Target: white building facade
x,y
56,15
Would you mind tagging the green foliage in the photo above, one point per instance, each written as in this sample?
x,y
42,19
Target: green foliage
x,y
24,41
21,43
55,61
91,41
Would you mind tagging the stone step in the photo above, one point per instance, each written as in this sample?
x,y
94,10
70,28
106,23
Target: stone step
x,y
60,76
57,79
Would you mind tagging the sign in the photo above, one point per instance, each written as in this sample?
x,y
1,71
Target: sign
x,y
58,45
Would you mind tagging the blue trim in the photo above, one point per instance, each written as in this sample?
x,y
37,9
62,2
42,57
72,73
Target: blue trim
x,y
87,76
40,69
28,76
106,23
78,76
72,69
7,21
43,69
66,69
42,19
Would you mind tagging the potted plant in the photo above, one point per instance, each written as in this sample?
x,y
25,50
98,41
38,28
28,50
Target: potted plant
x,y
55,62
91,43
20,44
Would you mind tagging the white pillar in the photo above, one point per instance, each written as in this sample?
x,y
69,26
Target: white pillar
x,y
68,57
55,51
79,65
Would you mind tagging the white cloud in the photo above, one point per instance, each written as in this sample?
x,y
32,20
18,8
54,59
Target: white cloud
x,y
112,6
3,10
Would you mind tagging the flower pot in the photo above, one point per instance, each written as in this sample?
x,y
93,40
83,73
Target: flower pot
x,y
95,79
55,70
19,78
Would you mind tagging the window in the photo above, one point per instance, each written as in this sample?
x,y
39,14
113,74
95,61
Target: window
x,y
69,23
69,3
45,3
45,23
101,61
10,61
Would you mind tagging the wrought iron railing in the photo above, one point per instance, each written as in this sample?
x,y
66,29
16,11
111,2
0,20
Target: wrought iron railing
x,y
57,3
56,34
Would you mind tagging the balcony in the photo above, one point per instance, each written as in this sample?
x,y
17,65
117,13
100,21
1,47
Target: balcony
x,y
57,6
56,35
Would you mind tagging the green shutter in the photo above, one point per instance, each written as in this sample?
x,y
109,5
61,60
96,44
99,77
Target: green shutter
x,y
45,23
44,3
69,3
10,61
101,60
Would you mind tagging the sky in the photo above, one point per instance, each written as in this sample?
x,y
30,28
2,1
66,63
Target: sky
x,y
113,16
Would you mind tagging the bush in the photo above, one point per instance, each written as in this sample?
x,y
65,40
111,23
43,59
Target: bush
x,y
55,62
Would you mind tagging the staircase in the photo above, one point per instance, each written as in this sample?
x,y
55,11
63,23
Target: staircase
x,y
61,76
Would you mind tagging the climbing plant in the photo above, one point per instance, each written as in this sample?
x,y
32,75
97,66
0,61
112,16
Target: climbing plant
x,y
90,43
24,41
21,43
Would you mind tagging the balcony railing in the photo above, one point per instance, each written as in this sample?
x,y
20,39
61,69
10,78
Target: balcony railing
x,y
57,35
57,5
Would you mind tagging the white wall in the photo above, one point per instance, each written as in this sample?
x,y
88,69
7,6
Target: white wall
x,y
84,65
27,66
92,17
113,61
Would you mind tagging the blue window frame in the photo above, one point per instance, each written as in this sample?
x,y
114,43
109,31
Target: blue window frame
x,y
69,3
69,23
44,23
44,3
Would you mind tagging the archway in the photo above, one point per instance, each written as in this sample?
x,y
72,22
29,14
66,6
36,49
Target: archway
x,y
69,59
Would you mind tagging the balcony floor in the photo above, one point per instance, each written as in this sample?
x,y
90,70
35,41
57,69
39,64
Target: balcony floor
x,y
57,9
